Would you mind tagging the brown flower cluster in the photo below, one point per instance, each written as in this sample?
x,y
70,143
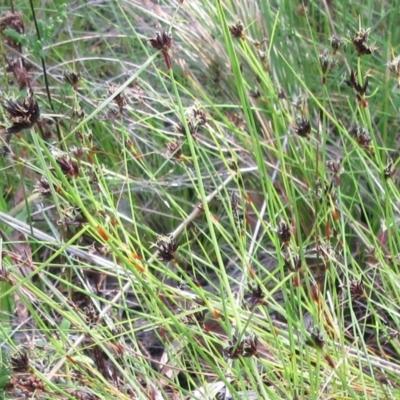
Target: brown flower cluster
x,y
328,63
163,42
42,187
244,348
394,68
9,22
359,89
22,114
72,78
166,248
360,40
20,362
195,118
68,166
284,231
302,127
362,136
254,296
119,99
336,43
174,150
237,30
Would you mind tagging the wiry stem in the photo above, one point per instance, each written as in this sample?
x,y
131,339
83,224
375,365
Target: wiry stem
x,y
44,68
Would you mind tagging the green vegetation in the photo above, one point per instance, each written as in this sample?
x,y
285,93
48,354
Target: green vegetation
x,y
199,200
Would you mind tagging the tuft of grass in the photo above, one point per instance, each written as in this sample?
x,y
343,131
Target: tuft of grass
x,y
199,200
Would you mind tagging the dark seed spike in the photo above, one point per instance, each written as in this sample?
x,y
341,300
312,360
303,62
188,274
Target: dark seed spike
x,y
357,289
284,232
237,30
162,41
68,166
389,170
336,42
166,248
20,362
359,89
22,114
72,78
254,297
303,127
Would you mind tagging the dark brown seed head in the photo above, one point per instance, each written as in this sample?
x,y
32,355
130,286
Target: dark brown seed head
x,y
4,274
113,114
319,190
237,30
22,114
78,152
250,346
235,349
42,187
255,94
174,150
100,248
358,88
389,170
327,62
324,61
119,99
12,20
362,136
357,289
166,248
72,78
91,315
198,115
162,41
262,55
20,362
337,169
334,166
293,263
195,118
254,297
302,127
192,127
68,166
336,43
282,94
245,348
21,73
325,251
259,43
284,232
394,68
360,42
354,83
